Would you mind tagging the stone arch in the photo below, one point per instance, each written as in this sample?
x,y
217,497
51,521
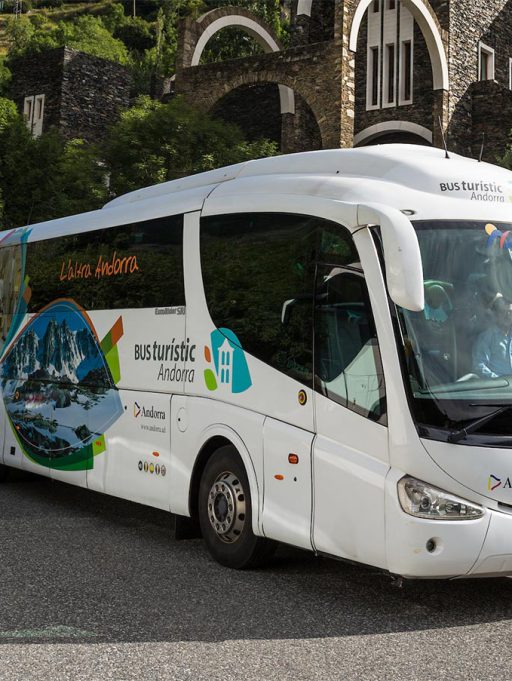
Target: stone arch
x,y
214,21
283,80
373,132
292,133
429,26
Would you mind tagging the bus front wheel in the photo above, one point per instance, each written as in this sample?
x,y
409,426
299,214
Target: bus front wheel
x,y
225,513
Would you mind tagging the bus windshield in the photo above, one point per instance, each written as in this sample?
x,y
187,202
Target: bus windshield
x,y
458,350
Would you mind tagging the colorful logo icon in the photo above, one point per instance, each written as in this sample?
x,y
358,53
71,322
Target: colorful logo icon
x,y
229,370
493,482
496,236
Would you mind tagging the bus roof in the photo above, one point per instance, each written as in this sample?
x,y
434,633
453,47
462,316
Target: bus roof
x,y
419,168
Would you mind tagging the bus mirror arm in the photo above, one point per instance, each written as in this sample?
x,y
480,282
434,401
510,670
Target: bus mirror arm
x,y
289,304
404,270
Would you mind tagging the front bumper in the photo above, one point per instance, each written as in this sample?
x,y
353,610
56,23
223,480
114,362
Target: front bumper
x,y
463,548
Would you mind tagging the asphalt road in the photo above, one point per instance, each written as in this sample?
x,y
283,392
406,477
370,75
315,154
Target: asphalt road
x,y
95,588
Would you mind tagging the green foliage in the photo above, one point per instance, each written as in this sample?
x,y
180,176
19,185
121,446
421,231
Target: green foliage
x,y
232,42
45,178
271,11
86,33
156,142
8,114
136,34
5,76
89,34
506,159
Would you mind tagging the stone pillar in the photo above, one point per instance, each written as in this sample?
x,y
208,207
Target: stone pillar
x,y
441,118
345,67
187,39
288,137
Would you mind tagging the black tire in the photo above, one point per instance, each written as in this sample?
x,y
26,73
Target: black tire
x,y
4,472
227,527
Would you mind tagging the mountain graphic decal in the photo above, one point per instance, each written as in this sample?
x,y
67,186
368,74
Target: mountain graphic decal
x,y
58,385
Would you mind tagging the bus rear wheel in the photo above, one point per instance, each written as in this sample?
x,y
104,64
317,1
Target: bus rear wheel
x,y
4,472
225,513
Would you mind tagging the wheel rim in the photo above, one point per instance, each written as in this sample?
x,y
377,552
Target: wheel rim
x,y
226,507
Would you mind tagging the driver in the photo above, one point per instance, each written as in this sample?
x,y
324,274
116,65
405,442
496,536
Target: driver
x,y
492,353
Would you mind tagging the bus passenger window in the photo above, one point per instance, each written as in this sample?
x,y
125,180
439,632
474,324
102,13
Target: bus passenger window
x,y
136,265
10,284
258,275
348,367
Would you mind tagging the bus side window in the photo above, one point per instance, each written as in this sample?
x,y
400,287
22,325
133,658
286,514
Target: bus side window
x,y
258,276
136,265
10,286
348,367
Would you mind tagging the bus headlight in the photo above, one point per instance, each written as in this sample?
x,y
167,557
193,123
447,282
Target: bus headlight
x,y
424,501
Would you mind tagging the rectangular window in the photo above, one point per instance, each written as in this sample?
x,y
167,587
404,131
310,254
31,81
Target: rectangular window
x,y
28,112
406,72
373,74
391,4
376,6
139,265
33,112
390,74
485,62
37,126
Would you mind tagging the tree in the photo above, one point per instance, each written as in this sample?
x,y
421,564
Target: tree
x,y
156,142
86,33
45,178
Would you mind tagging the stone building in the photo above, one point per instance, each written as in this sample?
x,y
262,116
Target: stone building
x,y
78,94
360,72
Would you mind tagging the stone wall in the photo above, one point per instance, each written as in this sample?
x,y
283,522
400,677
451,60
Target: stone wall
x,y
83,94
254,108
420,111
491,114
331,79
37,75
94,92
471,22
308,70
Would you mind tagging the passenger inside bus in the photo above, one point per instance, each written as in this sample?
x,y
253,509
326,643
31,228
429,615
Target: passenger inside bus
x,y
492,351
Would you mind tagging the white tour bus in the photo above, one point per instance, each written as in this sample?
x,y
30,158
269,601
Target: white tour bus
x,y
312,349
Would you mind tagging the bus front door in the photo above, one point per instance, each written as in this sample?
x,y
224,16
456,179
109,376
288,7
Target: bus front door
x,y
350,449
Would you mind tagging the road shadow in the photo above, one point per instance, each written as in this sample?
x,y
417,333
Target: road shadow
x,y
81,566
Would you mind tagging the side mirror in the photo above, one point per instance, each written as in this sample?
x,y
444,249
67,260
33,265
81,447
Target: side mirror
x,y
404,269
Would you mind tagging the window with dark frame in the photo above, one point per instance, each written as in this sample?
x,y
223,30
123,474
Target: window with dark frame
x,y
138,265
390,56
374,71
406,66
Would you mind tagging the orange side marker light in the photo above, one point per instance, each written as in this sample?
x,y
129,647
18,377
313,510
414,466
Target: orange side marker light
x,y
279,477
293,458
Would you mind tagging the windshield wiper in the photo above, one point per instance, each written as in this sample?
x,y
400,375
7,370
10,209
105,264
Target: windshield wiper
x,y
473,426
